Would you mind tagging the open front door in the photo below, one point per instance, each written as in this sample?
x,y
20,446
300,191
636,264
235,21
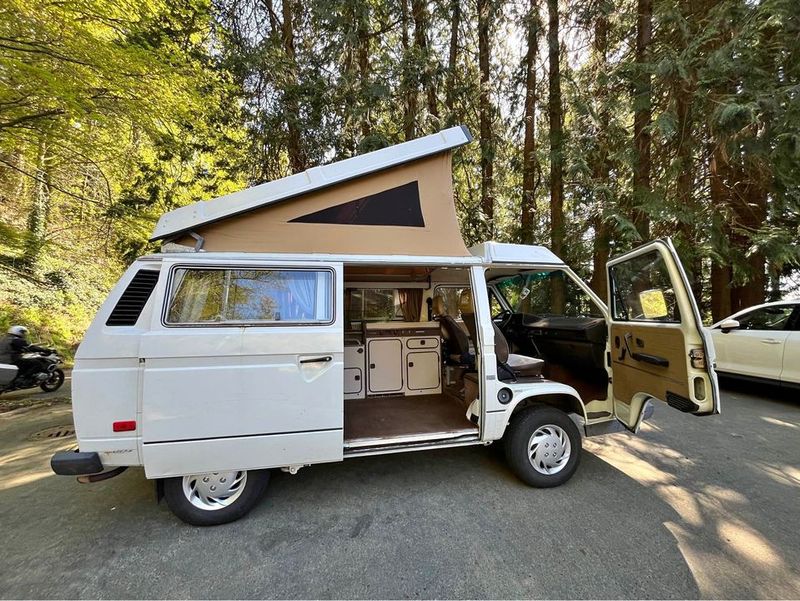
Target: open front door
x,y
659,349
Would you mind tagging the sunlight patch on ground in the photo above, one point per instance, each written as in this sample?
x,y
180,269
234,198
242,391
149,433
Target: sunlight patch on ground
x,y
24,478
783,474
748,543
779,422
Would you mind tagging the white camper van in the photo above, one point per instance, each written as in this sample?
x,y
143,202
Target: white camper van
x,y
337,314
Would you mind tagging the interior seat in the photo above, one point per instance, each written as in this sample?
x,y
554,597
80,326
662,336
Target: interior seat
x,y
454,337
514,365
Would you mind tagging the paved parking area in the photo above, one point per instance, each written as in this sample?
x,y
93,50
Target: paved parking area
x,y
693,507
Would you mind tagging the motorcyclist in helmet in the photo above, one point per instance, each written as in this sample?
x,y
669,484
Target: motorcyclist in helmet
x,y
14,344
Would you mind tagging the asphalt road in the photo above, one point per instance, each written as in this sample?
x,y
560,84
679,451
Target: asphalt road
x,y
692,507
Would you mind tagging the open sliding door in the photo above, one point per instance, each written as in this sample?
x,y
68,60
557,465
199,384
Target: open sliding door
x,y
243,368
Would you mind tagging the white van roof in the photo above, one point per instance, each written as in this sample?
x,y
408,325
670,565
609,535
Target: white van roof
x,y
481,254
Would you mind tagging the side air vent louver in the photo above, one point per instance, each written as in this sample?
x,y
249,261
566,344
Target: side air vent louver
x,y
130,304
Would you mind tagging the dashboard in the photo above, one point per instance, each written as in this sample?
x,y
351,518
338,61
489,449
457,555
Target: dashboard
x,y
572,341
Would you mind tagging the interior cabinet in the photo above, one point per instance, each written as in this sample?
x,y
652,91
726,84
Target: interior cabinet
x,y
385,373
354,377
403,358
423,370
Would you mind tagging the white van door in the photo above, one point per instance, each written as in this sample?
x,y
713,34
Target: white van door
x,y
243,368
659,349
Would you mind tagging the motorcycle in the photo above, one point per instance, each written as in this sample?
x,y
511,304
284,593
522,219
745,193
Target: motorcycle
x,y
49,379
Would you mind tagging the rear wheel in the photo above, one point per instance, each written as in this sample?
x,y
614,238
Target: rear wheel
x,y
54,382
216,497
543,446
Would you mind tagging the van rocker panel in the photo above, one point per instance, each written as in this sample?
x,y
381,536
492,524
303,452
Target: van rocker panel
x,y
165,459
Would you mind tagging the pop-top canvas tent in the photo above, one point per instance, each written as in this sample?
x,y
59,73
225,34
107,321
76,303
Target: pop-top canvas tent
x,y
397,200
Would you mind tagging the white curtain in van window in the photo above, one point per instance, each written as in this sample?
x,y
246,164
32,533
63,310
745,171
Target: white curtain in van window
x,y
303,288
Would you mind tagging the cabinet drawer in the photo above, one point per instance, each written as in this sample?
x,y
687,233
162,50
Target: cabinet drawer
x,y
422,343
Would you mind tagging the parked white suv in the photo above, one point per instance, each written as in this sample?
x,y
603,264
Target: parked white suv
x,y
761,343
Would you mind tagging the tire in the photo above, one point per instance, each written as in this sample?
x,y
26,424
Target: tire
x,y
191,499
554,430
54,382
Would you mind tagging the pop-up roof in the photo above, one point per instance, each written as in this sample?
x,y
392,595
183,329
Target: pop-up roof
x,y
397,200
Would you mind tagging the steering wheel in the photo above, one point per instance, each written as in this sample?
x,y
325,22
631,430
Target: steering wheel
x,y
504,318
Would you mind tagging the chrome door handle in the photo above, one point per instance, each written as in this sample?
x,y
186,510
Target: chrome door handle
x,y
325,359
770,341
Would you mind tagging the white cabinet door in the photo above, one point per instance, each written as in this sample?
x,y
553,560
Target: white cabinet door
x,y
353,381
385,357
423,370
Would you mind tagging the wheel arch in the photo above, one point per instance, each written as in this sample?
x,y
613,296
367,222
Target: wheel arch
x,y
566,400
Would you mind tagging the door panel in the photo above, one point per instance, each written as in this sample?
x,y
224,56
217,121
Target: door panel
x,y
632,375
751,353
659,349
791,352
210,382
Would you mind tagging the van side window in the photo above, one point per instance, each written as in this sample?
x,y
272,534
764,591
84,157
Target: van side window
x,y
249,296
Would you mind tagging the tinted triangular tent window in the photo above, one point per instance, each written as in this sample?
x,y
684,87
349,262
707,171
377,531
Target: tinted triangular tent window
x,y
397,206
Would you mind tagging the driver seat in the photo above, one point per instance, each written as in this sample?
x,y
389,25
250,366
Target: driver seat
x,y
455,338
516,366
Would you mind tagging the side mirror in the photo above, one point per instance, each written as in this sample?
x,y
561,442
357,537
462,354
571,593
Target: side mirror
x,y
728,325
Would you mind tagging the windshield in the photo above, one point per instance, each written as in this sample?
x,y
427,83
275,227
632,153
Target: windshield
x,y
541,293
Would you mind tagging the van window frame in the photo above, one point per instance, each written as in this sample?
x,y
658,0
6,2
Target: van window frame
x,y
167,299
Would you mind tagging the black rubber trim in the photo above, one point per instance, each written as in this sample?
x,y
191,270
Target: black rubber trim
x,y
75,463
680,403
242,436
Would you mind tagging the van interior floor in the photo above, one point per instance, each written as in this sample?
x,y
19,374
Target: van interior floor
x,y
376,421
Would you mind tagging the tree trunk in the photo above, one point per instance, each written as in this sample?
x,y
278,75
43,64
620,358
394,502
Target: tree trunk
x,y
556,151
297,159
721,272
409,84
452,63
530,166
40,207
641,118
362,30
687,242
485,14
750,210
601,244
420,16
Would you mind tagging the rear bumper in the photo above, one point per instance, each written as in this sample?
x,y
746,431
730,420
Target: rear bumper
x,y
75,463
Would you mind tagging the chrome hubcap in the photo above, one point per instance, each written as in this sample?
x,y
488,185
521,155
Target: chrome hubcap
x,y
549,449
214,490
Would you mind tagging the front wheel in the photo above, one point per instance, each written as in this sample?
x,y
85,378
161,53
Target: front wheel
x,y
54,382
215,497
543,446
